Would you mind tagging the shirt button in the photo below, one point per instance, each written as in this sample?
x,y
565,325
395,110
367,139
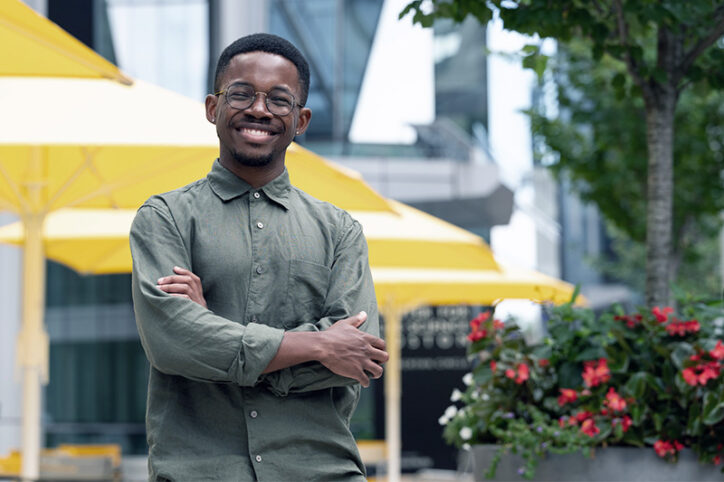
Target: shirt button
x,y
258,458
259,225
253,414
256,195
259,269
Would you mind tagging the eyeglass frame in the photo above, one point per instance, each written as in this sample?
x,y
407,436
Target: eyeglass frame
x,y
253,100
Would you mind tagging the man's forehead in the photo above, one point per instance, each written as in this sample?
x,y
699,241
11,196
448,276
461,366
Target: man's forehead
x,y
262,65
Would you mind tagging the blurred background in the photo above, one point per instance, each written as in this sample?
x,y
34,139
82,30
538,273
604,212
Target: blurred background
x,y
445,119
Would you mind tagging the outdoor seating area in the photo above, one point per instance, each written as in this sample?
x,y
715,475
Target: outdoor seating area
x,y
541,281
97,463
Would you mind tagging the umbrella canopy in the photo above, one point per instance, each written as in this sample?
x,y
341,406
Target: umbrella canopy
x,y
415,259
32,45
99,144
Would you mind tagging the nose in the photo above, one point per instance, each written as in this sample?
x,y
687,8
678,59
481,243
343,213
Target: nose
x,y
258,107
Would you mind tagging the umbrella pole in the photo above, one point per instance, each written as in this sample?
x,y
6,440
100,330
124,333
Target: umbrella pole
x,y
32,345
393,391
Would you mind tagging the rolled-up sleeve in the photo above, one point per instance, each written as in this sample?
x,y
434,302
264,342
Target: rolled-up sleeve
x,y
350,291
179,336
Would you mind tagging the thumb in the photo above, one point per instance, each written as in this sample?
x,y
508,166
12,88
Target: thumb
x,y
359,318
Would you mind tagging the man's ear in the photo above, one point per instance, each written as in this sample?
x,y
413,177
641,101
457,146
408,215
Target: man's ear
x,y
305,115
212,101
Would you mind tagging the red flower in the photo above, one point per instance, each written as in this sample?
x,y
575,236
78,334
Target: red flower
x,y
562,422
708,372
701,374
663,448
543,362
681,328
717,460
493,365
631,320
567,396
595,374
662,315
626,423
689,376
523,373
614,401
581,416
589,427
480,326
510,373
718,352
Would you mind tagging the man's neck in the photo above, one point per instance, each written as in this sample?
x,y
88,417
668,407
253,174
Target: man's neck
x,y
255,176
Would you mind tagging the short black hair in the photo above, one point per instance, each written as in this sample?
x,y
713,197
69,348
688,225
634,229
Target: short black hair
x,y
264,42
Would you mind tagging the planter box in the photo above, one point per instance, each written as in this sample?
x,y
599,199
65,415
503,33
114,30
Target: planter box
x,y
621,464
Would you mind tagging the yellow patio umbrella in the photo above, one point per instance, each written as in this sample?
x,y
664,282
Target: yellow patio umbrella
x,y
96,143
415,258
32,45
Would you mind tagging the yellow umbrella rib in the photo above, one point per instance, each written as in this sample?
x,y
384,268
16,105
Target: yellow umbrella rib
x,y
71,179
132,179
109,73
14,188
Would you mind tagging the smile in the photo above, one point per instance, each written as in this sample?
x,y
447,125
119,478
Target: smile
x,y
255,132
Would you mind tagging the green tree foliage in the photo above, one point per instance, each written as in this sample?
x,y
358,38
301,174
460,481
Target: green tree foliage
x,y
657,49
599,142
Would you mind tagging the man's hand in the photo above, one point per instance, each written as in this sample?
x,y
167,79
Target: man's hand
x,y
184,284
352,353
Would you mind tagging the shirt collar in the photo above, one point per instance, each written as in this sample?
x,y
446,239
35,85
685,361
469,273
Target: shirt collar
x,y
228,185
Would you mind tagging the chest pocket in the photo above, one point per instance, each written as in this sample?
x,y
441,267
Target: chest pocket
x,y
307,291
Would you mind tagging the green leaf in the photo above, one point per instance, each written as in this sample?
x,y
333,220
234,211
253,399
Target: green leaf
x,y
681,353
569,375
713,411
636,385
592,353
694,427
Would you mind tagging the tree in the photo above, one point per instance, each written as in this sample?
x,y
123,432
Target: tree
x,y
665,46
598,141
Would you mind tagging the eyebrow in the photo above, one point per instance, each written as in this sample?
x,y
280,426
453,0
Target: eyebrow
x,y
247,84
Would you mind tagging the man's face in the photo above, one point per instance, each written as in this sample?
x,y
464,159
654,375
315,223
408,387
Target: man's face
x,y
254,136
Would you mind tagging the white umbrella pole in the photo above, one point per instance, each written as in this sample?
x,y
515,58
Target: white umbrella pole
x,y
33,339
393,391
32,345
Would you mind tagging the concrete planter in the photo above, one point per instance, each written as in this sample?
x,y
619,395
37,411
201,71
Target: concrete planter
x,y
609,464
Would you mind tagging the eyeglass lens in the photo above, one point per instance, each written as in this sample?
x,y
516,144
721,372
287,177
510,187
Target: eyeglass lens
x,y
277,101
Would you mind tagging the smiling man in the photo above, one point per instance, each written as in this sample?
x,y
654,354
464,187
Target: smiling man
x,y
254,301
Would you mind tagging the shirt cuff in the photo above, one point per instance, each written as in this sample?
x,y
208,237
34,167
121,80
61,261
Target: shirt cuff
x,y
259,346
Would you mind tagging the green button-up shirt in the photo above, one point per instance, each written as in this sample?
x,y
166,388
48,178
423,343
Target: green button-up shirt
x,y
270,259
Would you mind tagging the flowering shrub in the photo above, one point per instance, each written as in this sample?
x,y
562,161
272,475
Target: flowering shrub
x,y
647,379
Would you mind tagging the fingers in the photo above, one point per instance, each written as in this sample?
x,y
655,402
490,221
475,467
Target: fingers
x,y
184,271
380,356
376,342
176,288
355,320
374,370
175,279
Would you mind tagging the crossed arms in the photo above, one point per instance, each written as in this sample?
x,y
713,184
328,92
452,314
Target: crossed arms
x,y
182,337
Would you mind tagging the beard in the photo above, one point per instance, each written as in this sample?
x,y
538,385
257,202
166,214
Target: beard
x,y
251,161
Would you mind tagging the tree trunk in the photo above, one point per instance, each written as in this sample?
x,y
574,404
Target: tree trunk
x,y
659,210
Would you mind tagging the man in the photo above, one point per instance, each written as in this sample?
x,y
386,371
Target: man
x,y
255,374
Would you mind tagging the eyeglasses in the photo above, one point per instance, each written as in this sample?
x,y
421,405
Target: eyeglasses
x,y
241,97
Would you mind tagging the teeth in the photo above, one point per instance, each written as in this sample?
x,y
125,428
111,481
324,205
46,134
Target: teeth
x,y
256,132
